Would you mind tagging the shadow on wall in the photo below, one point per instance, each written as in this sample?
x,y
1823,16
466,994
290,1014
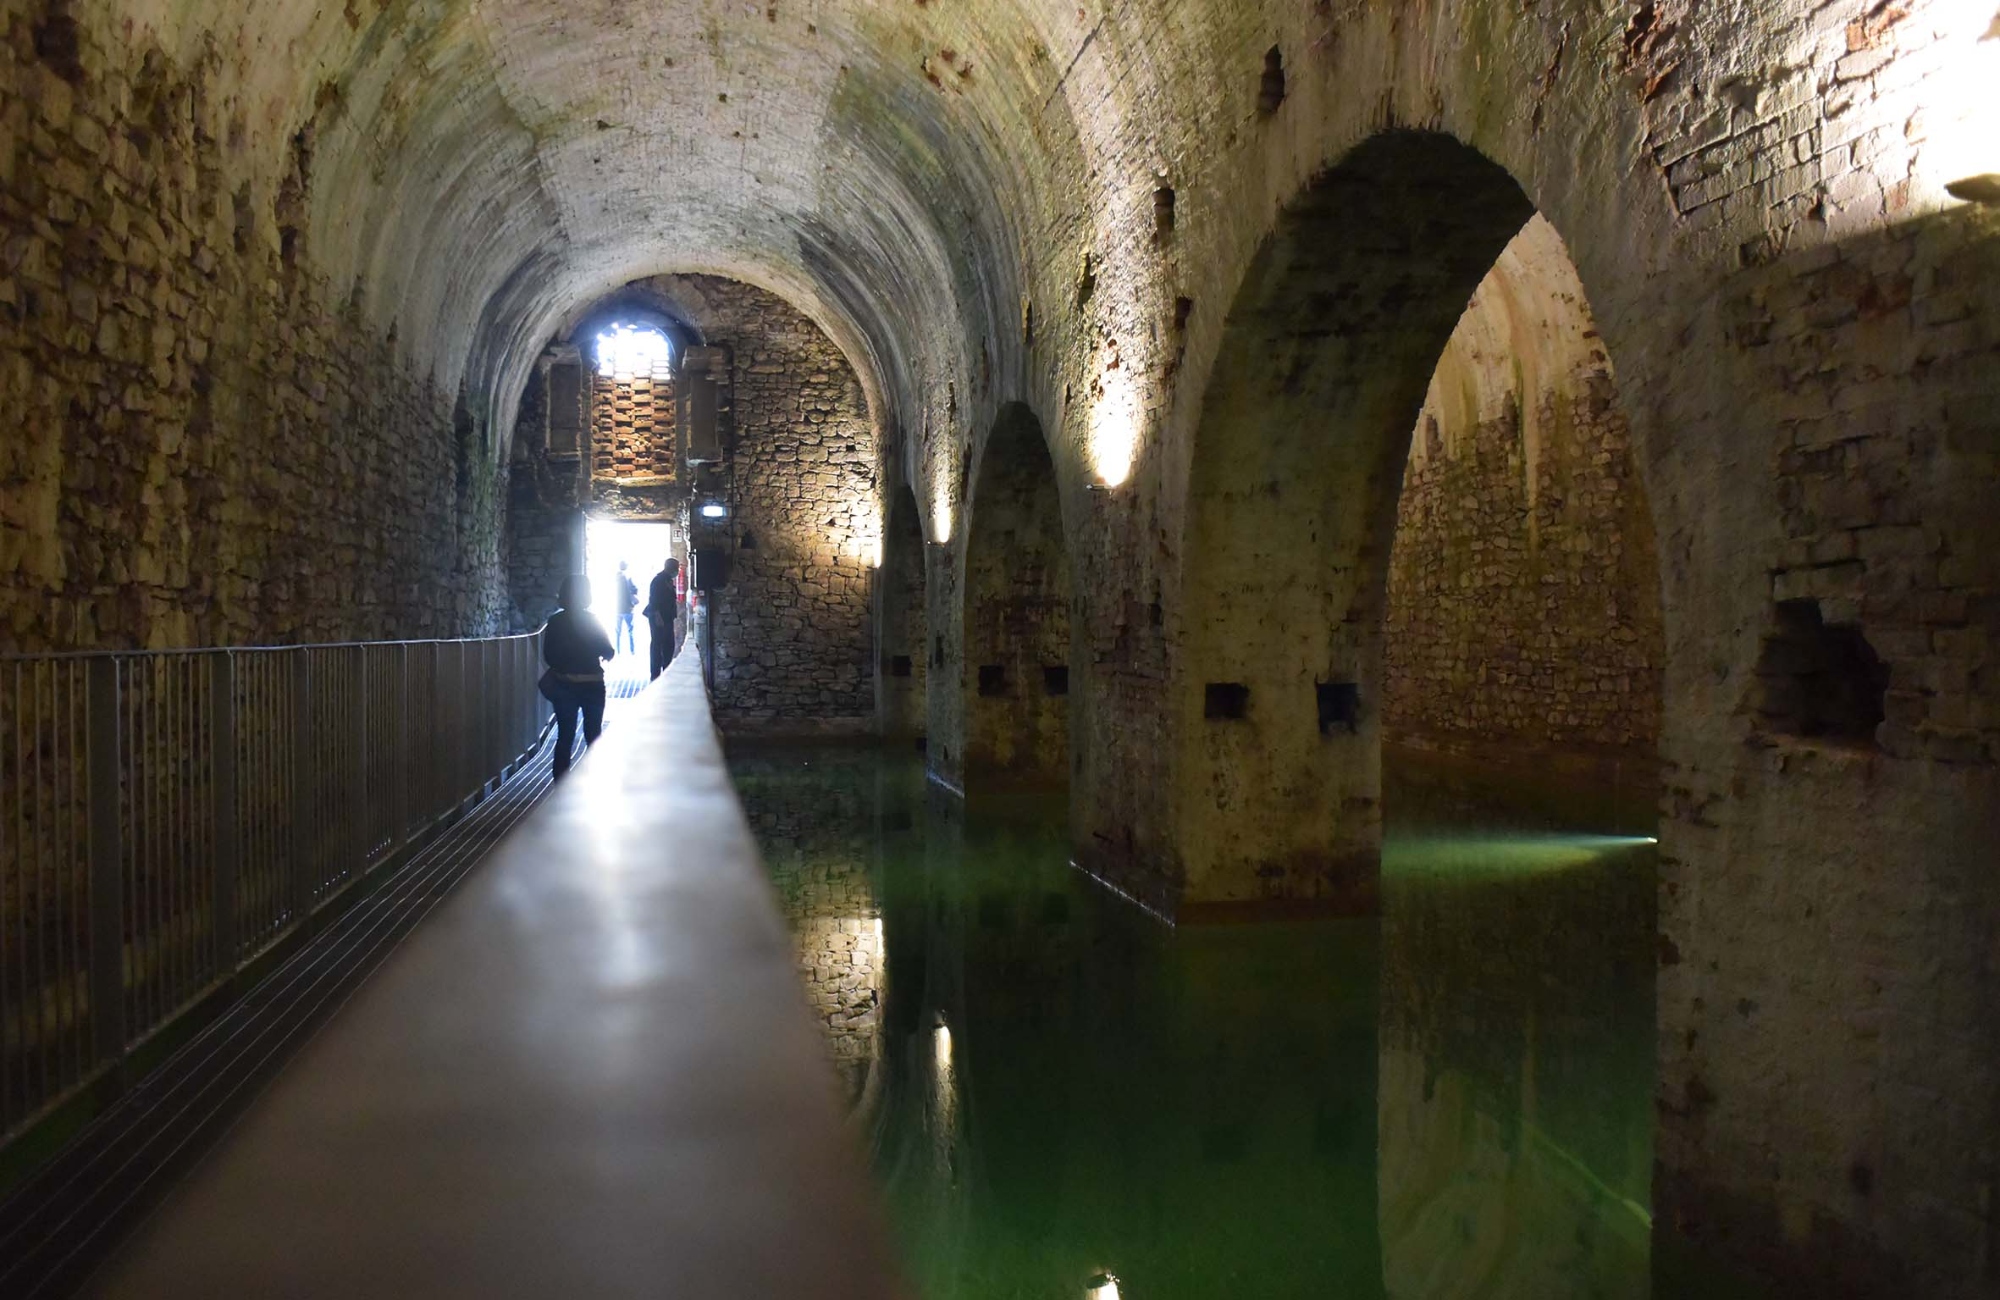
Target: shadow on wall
x,y
1017,613
904,665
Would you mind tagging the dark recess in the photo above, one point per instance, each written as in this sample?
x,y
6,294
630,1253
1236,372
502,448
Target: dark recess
x,y
1339,706
1817,681
1225,700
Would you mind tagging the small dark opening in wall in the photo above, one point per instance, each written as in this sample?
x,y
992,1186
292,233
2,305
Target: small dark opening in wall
x,y
749,542
1225,700
1163,214
992,680
1817,681
1271,93
937,652
900,666
1339,706
1055,679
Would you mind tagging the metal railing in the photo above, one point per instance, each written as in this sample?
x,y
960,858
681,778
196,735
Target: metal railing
x,y
165,817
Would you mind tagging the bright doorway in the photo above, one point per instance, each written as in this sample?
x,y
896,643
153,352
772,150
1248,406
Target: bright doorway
x,y
642,548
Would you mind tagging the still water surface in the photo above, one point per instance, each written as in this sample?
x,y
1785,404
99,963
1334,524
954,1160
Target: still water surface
x,y
1057,1090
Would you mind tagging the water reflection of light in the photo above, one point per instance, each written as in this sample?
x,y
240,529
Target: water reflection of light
x,y
944,1099
1517,854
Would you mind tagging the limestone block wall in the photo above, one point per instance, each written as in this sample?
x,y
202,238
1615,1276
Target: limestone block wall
x,y
794,631
208,444
1523,607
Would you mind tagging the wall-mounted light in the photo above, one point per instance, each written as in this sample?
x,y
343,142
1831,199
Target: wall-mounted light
x,y
1115,418
1102,1286
714,510
1968,104
941,519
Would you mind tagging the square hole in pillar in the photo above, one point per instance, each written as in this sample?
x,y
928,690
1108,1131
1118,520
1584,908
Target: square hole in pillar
x,y
900,666
1225,700
1055,679
992,680
1339,706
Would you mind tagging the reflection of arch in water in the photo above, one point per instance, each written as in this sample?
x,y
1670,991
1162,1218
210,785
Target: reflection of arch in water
x,y
1326,359
1017,611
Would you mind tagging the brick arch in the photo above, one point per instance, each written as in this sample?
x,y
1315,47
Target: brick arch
x,y
1018,595
1327,354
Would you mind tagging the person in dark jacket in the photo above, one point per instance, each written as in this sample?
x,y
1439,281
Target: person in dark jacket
x,y
575,649
663,602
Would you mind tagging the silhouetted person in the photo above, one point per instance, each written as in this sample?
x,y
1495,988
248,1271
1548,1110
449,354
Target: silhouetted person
x,y
574,647
663,604
628,599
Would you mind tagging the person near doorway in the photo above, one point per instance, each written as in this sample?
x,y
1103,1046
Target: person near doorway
x,y
628,600
662,608
575,649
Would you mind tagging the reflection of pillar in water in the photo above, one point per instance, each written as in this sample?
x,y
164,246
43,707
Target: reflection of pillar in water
x,y
1508,1159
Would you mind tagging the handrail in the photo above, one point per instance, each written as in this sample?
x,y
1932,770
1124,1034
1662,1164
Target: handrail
x,y
167,816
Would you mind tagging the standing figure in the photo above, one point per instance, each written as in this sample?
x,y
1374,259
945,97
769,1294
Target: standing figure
x,y
628,599
662,608
575,649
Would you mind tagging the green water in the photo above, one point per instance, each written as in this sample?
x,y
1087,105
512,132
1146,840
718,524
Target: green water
x,y
1452,1101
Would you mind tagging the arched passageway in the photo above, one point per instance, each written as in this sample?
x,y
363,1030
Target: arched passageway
x,y
1329,355
1017,612
1523,605
904,659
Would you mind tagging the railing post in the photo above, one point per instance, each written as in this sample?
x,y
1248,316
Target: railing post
x,y
305,842
222,752
399,797
107,862
360,805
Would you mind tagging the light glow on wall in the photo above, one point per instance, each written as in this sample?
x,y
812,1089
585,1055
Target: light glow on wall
x,y
941,519
1116,415
628,351
1965,108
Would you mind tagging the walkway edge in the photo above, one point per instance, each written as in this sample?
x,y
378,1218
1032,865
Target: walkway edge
x,y
593,1072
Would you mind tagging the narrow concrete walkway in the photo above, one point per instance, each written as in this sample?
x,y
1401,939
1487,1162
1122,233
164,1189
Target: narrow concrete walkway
x,y
591,1072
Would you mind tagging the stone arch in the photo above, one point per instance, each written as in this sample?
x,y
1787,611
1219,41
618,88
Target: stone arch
x,y
904,638
1326,359
1018,593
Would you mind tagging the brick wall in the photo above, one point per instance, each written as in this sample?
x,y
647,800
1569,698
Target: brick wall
x,y
633,431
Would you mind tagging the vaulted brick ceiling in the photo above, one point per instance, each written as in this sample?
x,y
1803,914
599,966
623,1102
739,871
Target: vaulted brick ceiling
x,y
478,167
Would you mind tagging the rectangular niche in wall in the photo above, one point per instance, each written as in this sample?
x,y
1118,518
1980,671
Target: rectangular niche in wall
x,y
1339,707
992,680
900,666
1225,701
1055,679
